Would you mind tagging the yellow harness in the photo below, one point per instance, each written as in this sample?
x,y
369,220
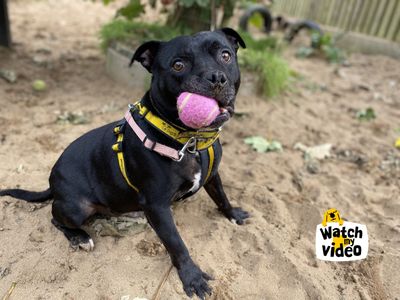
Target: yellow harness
x,y
204,139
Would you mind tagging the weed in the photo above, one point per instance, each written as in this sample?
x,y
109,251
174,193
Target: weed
x,y
125,31
273,70
324,45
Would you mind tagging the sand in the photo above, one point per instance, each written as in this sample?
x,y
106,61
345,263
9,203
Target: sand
x,y
273,255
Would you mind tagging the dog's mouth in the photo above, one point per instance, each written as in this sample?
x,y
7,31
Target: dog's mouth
x,y
225,97
226,112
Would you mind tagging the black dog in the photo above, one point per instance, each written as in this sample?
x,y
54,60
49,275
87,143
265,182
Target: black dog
x,y
96,175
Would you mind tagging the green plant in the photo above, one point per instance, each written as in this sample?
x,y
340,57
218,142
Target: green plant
x,y
273,71
324,45
122,30
270,43
304,52
334,54
131,10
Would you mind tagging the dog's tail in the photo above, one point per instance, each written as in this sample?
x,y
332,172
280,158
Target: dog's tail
x,y
28,195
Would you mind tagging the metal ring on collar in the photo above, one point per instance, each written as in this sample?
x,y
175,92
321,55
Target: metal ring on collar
x,y
190,146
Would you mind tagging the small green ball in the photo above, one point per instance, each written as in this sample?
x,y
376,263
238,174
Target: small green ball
x,y
39,85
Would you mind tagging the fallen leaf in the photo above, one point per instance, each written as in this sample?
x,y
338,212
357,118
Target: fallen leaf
x,y
316,152
261,145
8,75
74,118
366,114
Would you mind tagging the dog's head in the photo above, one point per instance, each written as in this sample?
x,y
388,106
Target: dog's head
x,y
204,63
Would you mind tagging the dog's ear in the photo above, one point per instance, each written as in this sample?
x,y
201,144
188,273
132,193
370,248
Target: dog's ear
x,y
145,54
233,37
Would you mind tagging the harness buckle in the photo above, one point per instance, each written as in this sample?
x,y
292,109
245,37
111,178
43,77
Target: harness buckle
x,y
132,107
190,146
153,145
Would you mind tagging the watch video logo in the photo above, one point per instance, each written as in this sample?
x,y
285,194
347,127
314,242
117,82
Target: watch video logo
x,y
339,240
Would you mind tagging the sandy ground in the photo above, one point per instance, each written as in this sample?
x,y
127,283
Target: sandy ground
x,y
273,255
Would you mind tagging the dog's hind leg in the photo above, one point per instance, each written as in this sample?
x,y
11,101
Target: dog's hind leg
x,y
69,219
77,238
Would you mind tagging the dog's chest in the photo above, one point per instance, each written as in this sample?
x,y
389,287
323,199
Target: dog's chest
x,y
196,182
194,174
191,177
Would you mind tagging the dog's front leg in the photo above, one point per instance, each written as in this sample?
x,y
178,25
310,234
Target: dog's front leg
x,y
215,190
193,279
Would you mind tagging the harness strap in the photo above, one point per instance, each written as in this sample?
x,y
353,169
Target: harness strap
x,y
118,148
148,143
210,151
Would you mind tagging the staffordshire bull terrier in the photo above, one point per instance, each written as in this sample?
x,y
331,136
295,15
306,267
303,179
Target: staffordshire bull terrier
x,y
150,158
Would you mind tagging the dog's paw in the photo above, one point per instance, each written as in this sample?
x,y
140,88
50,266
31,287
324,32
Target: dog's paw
x,y
82,243
236,215
194,281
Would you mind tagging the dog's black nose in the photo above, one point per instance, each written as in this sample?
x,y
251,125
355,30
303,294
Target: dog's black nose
x,y
332,215
217,78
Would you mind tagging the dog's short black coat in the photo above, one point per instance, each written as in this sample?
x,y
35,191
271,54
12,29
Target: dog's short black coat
x,y
87,180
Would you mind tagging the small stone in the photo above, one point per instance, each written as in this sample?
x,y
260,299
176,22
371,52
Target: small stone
x,y
4,272
354,278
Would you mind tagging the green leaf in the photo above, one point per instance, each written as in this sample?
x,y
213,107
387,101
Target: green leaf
x,y
106,2
315,39
304,52
366,114
275,146
261,145
333,54
318,40
132,10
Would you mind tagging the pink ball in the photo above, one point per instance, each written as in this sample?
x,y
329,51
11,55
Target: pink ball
x,y
197,111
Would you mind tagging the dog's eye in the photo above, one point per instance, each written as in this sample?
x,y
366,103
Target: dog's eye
x,y
226,56
178,65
